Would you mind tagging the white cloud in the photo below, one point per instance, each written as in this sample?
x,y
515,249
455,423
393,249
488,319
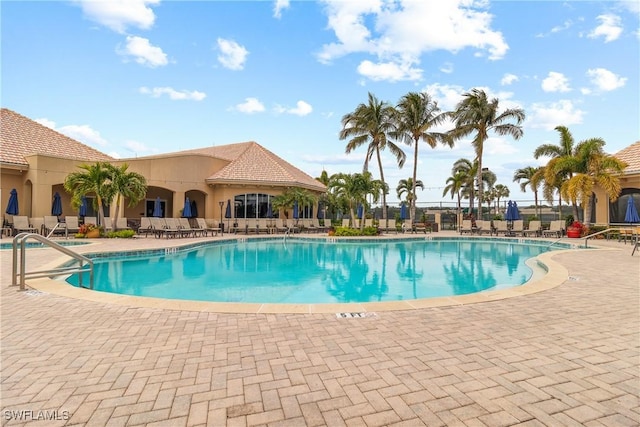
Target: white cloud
x,y
555,82
232,55
447,68
548,116
446,95
250,106
390,71
278,7
605,80
143,52
137,147
610,28
173,94
82,133
120,14
301,109
399,32
508,79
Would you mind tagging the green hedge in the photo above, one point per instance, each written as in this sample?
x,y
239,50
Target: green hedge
x,y
348,231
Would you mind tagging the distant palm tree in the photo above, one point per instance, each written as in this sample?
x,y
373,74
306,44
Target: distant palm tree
x,y
565,149
529,176
407,186
126,185
454,187
500,192
476,114
590,166
95,179
467,170
292,195
371,124
416,116
489,180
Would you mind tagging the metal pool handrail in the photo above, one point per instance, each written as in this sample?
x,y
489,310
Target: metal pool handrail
x,y
21,239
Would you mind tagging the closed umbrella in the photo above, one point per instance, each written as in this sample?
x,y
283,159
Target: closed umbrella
x,y
269,211
516,212
12,206
194,209
157,208
360,211
632,213
403,212
296,213
227,213
186,211
56,207
82,211
509,214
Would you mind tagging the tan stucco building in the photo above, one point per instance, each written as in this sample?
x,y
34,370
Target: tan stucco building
x,y
35,160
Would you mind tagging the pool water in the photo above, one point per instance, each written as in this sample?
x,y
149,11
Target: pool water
x,y
302,271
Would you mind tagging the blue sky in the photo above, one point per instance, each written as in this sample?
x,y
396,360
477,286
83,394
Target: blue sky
x,y
141,77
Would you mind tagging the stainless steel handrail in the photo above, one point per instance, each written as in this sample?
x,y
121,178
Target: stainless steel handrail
x,y
21,239
608,230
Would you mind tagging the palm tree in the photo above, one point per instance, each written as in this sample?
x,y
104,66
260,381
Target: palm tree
x,y
479,115
591,166
95,179
500,192
489,180
454,186
290,196
370,124
531,177
565,149
416,115
354,188
128,185
407,186
467,170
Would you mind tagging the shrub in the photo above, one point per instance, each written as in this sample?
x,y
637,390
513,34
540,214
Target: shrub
x,y
348,231
121,234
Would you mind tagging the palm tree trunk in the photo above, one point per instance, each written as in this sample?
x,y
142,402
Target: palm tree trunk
x,y
384,195
115,214
413,184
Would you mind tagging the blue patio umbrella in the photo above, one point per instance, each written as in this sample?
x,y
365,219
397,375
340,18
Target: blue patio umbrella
x,y
186,211
510,214
56,207
360,211
269,211
403,211
194,209
157,208
516,212
82,211
227,213
12,206
632,213
296,213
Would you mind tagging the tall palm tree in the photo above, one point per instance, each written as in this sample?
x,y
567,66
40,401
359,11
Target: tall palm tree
x,y
468,171
565,150
478,115
454,186
290,196
529,176
128,185
591,166
408,187
93,179
371,124
417,114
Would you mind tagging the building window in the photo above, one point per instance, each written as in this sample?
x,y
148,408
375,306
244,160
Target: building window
x,y
618,209
254,205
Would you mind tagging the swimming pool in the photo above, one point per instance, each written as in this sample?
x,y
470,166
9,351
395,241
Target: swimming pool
x,y
316,271
9,245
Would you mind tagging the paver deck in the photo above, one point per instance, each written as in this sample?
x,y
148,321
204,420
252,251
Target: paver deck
x,y
569,355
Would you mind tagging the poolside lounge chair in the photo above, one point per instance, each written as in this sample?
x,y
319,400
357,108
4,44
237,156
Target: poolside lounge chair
x,y
501,227
21,225
202,225
280,226
483,227
187,230
90,220
145,226
53,227
161,229
108,225
407,226
535,229
518,228
71,222
346,222
122,224
466,226
263,226
173,226
422,226
555,229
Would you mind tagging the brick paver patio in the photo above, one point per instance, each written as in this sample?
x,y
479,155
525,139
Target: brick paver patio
x,y
565,356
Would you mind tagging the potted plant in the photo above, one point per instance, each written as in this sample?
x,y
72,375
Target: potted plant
x,y
90,231
574,231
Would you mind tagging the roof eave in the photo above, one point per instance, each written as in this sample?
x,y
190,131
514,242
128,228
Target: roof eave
x,y
245,182
15,166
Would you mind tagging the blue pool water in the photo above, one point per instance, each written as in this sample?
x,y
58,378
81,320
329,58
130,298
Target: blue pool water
x,y
303,271
9,245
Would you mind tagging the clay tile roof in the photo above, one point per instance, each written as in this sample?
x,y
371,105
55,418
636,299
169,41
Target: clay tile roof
x,y
21,136
631,156
258,165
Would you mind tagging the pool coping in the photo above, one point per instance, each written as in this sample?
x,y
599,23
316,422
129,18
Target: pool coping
x,y
556,274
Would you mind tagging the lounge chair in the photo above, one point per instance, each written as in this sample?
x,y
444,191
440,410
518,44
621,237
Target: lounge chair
x,y
518,228
108,224
90,220
407,226
484,227
145,226
53,227
71,222
422,226
173,226
555,229
466,227
280,226
187,230
535,229
501,227
160,228
346,222
122,224
21,225
202,225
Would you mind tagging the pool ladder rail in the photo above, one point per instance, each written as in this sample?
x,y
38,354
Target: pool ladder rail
x,y
19,250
